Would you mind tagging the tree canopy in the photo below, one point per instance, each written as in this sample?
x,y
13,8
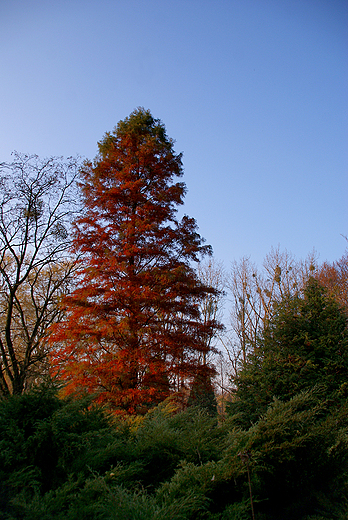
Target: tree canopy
x,y
38,201
305,343
133,333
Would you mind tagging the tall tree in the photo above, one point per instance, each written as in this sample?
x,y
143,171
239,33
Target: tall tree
x,y
37,203
212,274
133,332
255,292
305,343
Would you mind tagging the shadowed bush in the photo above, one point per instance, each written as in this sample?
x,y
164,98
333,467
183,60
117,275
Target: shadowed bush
x,y
65,459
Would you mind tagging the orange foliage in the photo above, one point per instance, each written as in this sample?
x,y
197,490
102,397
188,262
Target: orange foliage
x,y
335,278
133,333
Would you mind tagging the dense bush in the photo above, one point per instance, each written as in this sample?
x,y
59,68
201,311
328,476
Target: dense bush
x,y
67,460
305,343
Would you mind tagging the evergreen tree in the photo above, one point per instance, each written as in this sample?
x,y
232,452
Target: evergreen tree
x,y
202,392
305,343
133,333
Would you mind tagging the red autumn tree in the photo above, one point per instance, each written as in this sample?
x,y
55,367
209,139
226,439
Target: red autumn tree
x,y
133,332
334,276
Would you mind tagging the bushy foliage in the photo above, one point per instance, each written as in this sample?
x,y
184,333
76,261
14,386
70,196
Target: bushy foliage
x,y
300,458
202,393
56,455
305,343
66,459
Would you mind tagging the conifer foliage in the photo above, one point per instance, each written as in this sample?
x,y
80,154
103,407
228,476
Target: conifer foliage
x,y
304,344
133,333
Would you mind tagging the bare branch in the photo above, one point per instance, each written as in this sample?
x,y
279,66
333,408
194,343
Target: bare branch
x,y
38,202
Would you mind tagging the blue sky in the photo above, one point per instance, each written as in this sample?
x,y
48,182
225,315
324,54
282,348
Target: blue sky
x,y
253,91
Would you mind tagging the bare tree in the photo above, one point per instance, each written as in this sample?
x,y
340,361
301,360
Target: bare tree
x,y
254,293
212,274
38,201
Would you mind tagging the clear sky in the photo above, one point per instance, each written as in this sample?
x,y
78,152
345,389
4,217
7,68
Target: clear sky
x,y
253,91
